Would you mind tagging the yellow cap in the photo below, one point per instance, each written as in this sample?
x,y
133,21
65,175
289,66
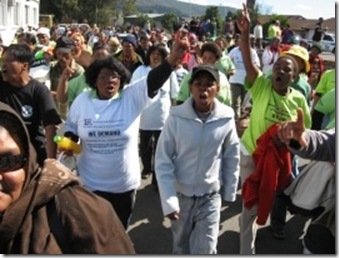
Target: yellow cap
x,y
299,51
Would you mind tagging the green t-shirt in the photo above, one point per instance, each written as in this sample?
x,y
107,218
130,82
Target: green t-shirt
x,y
224,94
225,64
327,82
75,87
271,31
326,105
269,108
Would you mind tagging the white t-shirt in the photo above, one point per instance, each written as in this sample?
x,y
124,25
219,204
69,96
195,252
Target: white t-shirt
x,y
240,72
154,116
108,130
258,31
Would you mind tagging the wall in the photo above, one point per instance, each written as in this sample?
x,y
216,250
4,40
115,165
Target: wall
x,y
15,14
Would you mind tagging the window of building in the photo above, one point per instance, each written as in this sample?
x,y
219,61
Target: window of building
x,y
16,14
26,14
2,12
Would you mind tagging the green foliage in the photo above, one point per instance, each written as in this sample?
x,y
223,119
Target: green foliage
x,y
213,12
168,20
95,11
142,19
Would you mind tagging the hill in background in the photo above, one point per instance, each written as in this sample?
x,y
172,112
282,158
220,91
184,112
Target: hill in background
x,y
181,9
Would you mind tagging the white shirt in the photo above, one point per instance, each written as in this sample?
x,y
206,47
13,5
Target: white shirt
x,y
240,72
258,31
109,131
154,116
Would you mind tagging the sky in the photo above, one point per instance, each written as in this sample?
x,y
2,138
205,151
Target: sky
x,y
310,9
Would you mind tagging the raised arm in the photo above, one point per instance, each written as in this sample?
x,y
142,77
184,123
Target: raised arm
x,y
159,75
243,23
61,93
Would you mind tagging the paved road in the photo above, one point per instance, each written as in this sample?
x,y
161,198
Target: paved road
x,y
151,234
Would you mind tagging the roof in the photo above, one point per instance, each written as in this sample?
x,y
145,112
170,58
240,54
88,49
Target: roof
x,y
298,22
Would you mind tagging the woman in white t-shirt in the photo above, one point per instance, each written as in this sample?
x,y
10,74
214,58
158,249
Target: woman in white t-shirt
x,y
237,80
153,118
106,119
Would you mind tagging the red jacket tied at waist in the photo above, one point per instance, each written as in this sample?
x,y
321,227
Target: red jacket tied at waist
x,y
272,172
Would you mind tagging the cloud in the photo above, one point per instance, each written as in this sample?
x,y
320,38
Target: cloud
x,y
304,7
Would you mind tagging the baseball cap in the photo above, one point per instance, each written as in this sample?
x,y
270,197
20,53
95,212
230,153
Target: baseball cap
x,y
64,44
301,52
212,70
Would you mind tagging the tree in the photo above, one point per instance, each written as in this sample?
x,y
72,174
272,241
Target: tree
x,y
213,12
98,11
60,8
168,20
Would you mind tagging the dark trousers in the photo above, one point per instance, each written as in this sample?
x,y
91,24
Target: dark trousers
x,y
279,209
148,144
122,203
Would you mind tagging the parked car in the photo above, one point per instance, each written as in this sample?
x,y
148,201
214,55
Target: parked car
x,y
327,42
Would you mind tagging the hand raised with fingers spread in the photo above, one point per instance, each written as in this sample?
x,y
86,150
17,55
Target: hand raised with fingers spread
x,y
293,130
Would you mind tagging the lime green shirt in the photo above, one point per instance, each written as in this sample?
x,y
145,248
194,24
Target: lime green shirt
x,y
326,105
224,94
225,64
269,108
327,82
271,31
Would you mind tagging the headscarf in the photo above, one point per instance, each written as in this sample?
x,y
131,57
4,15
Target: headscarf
x,y
89,223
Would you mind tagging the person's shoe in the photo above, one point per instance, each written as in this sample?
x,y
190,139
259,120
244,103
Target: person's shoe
x,y
278,233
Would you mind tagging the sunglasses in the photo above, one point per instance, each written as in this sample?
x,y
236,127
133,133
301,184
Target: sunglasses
x,y
9,163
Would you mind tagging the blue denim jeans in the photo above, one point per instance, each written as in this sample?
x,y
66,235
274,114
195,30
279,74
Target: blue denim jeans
x,y
279,210
197,229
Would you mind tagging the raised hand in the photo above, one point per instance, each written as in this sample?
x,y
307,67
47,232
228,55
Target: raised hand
x,y
243,21
180,47
293,130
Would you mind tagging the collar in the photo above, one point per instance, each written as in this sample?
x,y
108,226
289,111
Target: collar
x,y
94,95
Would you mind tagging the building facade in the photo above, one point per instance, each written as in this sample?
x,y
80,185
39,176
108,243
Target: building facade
x,y
15,14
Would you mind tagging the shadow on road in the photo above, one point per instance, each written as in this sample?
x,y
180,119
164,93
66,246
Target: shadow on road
x,y
151,234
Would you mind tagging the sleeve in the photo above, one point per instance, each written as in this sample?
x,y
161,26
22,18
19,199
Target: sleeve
x,y
321,87
165,168
231,164
321,146
46,106
91,224
184,88
136,75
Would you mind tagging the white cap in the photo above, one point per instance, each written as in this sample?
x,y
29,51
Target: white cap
x,y
44,31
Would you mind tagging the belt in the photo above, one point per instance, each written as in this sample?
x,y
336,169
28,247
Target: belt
x,y
204,195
